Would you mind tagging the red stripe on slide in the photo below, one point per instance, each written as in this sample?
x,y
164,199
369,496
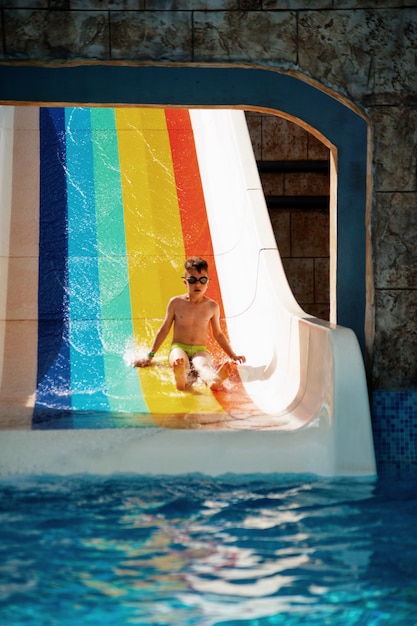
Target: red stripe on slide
x,y
197,237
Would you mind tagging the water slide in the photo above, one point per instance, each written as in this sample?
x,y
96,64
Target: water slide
x,y
99,209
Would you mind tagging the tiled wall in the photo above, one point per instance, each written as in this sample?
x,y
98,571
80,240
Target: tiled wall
x,y
394,416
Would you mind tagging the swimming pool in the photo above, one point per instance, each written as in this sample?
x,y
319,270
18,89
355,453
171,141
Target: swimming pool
x,y
203,551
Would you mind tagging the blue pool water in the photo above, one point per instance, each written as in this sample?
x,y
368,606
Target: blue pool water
x,y
202,551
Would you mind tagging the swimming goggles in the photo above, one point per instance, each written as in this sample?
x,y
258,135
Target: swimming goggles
x,y
192,279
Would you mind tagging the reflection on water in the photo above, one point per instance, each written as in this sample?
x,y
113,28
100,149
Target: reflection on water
x,y
191,550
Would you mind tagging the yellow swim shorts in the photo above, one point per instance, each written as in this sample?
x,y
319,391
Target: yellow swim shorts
x,y
190,350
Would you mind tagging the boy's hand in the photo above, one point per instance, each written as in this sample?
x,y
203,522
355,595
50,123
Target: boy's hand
x,y
239,359
143,362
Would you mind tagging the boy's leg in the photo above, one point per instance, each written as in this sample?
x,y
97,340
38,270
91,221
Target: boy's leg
x,y
204,366
222,373
180,363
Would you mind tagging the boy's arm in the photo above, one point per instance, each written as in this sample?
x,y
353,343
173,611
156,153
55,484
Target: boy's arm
x,y
160,336
221,339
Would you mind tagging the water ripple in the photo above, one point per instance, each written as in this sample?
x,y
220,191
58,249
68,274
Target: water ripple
x,y
198,551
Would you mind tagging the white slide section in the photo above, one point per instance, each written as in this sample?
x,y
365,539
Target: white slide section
x,y
306,373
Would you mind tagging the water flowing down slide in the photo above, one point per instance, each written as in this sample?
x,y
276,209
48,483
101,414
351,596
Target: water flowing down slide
x,y
100,208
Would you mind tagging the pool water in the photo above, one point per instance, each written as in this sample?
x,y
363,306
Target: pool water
x,y
202,551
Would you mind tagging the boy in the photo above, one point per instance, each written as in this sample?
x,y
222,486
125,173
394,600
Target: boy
x,y
191,315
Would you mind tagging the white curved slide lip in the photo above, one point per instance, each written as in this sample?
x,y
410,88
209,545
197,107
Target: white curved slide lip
x,y
307,373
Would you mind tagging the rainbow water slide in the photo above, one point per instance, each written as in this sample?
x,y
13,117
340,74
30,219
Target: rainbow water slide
x,y
100,208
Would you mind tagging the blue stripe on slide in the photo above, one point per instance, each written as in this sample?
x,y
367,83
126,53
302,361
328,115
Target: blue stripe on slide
x,y
53,375
86,351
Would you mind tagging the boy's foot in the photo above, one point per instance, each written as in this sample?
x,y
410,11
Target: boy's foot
x,y
222,373
180,374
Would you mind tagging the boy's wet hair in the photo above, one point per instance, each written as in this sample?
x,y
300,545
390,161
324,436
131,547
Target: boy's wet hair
x,y
197,262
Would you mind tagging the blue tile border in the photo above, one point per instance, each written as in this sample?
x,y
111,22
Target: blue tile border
x,y
394,423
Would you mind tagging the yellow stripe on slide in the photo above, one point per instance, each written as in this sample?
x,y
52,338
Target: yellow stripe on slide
x,y
155,249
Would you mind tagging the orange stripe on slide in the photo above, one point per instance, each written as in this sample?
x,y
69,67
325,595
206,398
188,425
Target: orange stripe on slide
x,y
197,237
192,206
196,232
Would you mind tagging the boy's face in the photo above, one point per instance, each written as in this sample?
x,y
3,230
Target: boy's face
x,y
196,287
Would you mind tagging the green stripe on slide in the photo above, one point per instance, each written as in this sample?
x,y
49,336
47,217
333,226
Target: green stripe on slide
x,y
123,386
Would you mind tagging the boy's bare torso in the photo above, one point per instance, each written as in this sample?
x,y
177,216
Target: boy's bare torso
x,y
192,319
190,315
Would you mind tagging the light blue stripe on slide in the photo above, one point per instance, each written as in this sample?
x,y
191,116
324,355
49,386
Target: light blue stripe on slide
x,y
123,386
88,383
